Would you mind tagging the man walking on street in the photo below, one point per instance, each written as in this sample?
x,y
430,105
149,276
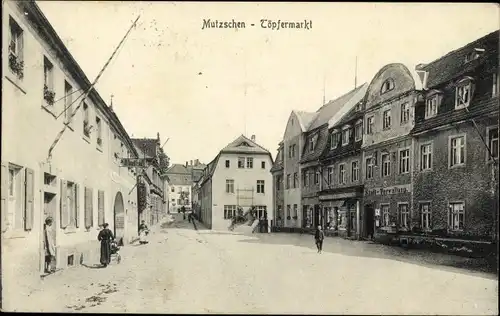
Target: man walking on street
x,y
319,236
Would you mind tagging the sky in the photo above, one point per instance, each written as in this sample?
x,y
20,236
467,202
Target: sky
x,y
202,89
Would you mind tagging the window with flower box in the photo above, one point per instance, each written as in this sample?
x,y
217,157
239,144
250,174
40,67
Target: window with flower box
x,y
16,49
48,81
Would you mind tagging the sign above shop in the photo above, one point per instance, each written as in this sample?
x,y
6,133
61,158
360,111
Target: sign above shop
x,y
133,162
338,196
397,189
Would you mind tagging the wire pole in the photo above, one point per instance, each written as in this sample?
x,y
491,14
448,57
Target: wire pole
x,y
89,90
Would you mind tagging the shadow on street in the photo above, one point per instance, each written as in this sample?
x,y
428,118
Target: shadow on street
x,y
368,249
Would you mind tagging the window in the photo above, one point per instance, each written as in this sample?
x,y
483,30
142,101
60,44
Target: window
x,y
16,49
354,171
312,143
426,157
431,106
330,175
462,96
494,88
386,165
260,186
89,208
229,211
263,164
404,161
385,215
48,81
492,138
179,189
306,178
316,177
99,130
86,126
229,186
293,150
228,163
425,211
457,151
295,180
405,112
369,125
388,85
288,181
358,131
289,151
457,216
345,136
387,119
278,183
288,211
68,100
249,163
241,162
369,168
334,140
404,215
341,174
295,211
173,189
471,56
12,182
69,204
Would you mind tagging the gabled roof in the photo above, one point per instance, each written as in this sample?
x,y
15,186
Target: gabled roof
x,y
146,145
243,144
177,169
355,96
452,65
338,107
305,119
179,179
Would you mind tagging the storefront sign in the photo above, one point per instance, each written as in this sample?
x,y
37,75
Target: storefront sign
x,y
339,196
133,162
397,189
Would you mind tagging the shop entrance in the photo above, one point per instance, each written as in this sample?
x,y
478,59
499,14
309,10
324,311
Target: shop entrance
x,y
369,218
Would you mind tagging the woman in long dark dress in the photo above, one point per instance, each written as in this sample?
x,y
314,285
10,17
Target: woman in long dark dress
x,y
105,237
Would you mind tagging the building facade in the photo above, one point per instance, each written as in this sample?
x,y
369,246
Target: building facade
x,y
278,188
456,144
239,177
387,147
342,190
317,141
77,180
151,190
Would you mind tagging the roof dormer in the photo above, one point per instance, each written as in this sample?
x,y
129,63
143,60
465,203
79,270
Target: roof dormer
x,y
474,54
387,86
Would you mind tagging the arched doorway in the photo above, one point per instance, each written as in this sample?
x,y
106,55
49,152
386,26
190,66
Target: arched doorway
x,y
119,217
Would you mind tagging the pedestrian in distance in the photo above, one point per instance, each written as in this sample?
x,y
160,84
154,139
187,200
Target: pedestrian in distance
x,y
49,245
143,233
105,237
319,236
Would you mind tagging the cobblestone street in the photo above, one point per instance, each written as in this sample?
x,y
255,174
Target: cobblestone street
x,y
186,271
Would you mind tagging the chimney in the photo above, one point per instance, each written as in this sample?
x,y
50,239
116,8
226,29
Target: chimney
x,y
191,162
196,162
187,163
253,138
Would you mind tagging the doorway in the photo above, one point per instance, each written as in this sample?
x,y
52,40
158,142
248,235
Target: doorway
x,y
49,210
317,216
369,220
119,218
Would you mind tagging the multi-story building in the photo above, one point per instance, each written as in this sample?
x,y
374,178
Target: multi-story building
x,y
342,187
456,144
76,178
180,183
317,140
387,147
151,193
291,151
238,177
278,188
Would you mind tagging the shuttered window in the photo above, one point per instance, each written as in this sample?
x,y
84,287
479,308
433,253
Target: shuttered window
x,y
29,206
5,193
89,208
64,204
70,206
100,207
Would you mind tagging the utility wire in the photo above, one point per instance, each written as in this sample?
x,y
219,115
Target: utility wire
x,y
89,90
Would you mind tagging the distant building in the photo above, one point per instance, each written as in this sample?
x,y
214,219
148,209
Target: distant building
x,y
179,181
239,177
151,191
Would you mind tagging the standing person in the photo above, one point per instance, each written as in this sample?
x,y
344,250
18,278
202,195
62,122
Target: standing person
x,y
143,232
49,245
183,210
105,237
193,217
319,236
